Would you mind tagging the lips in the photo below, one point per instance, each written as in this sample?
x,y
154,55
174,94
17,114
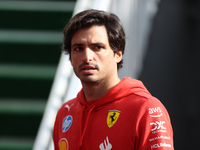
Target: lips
x,y
88,69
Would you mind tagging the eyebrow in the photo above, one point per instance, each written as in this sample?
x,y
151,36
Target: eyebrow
x,y
79,44
98,43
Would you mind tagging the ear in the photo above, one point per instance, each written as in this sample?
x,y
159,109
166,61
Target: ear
x,y
118,56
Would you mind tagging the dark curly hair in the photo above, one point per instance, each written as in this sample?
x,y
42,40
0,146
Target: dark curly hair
x,y
89,18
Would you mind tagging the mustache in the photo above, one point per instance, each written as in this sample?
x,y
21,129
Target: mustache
x,y
88,64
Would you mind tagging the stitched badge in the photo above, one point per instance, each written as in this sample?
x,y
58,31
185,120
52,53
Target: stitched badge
x,y
112,117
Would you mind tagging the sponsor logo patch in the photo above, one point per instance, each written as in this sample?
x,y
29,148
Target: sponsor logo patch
x,y
160,145
158,126
105,145
159,137
63,144
67,121
112,117
155,112
68,107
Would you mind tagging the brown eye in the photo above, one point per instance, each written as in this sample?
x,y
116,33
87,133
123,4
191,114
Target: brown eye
x,y
98,47
78,48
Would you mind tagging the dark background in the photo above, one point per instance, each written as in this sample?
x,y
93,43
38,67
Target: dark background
x,y
172,67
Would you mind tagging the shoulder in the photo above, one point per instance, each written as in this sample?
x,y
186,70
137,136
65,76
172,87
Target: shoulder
x,y
139,99
150,109
145,104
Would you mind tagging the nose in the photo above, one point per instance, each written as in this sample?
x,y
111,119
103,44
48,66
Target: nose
x,y
88,55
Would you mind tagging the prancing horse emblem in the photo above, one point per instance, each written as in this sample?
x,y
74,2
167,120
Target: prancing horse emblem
x,y
112,117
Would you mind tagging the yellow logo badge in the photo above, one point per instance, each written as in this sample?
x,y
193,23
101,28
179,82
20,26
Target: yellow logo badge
x,y
112,117
63,144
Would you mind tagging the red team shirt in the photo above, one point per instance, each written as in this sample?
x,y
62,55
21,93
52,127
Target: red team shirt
x,y
128,117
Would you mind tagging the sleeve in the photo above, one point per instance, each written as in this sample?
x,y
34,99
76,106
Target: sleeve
x,y
154,130
55,134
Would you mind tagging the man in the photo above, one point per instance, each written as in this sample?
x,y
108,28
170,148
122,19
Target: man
x,y
107,113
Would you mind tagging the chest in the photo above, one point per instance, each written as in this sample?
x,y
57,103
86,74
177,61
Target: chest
x,y
111,126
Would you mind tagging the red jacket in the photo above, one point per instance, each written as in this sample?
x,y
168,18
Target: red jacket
x,y
128,117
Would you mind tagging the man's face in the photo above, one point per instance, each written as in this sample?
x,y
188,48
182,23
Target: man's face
x,y
92,58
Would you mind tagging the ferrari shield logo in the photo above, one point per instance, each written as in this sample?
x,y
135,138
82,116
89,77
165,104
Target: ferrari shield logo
x,y
112,117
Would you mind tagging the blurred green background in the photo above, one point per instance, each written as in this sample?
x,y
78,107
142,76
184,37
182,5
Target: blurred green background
x,y
30,41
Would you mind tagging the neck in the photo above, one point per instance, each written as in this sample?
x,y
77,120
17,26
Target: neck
x,y
95,91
